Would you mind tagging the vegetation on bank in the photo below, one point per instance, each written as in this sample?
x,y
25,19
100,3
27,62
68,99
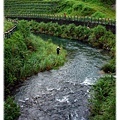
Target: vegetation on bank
x,y
97,37
8,25
103,99
24,55
12,110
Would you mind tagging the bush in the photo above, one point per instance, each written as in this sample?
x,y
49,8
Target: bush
x,y
86,11
14,53
110,2
78,7
110,67
7,25
24,28
11,109
97,33
102,101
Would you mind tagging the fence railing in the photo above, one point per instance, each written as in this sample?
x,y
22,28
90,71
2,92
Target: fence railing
x,y
10,32
103,21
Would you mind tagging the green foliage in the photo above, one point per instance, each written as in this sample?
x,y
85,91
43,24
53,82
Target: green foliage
x,y
14,52
103,99
26,54
110,2
102,38
98,14
110,67
78,7
7,25
66,5
99,31
11,109
24,28
94,8
87,11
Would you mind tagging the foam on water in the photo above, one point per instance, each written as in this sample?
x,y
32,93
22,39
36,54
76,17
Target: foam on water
x,y
64,99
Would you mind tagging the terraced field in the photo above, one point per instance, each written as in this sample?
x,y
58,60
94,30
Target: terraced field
x,y
29,7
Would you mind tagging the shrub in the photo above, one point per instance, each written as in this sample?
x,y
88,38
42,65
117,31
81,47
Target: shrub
x,y
78,7
7,25
86,11
24,28
110,67
95,37
102,101
11,109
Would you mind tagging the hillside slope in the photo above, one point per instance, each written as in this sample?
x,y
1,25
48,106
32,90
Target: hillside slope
x,y
93,8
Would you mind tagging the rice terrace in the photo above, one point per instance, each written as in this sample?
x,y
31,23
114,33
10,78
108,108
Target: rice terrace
x,y
59,60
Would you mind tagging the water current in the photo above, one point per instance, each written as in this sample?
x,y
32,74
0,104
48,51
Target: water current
x,y
62,94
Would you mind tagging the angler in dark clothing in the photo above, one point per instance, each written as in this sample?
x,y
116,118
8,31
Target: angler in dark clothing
x,y
58,50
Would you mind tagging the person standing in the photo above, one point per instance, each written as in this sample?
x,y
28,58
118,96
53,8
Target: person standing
x,y
58,50
64,15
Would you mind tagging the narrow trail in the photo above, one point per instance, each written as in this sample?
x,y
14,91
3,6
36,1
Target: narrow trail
x,y
62,94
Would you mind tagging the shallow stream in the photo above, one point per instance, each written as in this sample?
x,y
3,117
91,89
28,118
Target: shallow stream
x,y
62,94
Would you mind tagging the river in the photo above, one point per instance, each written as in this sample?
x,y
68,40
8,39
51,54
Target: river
x,y
62,94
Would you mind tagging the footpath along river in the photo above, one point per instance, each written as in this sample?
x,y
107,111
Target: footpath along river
x,y
62,94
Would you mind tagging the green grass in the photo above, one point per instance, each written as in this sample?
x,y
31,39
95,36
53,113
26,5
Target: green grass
x,y
82,8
